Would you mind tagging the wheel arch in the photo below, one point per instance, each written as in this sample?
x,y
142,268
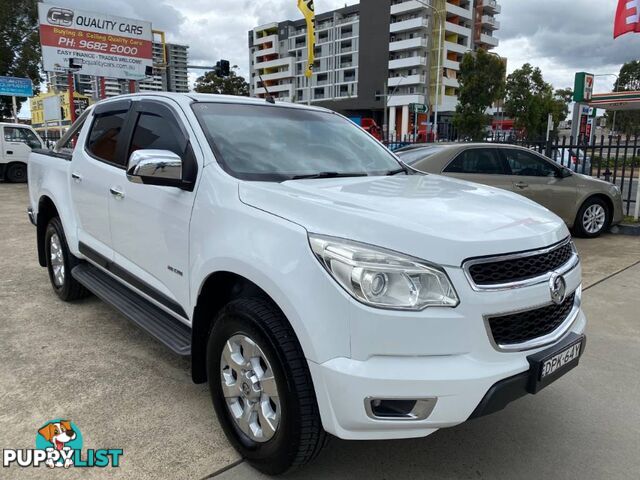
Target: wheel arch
x,y
218,289
46,211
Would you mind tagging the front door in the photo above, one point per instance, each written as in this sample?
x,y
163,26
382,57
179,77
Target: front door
x,y
18,142
150,224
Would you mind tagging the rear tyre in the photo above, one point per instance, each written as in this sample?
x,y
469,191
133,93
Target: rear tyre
x,y
60,262
593,218
261,387
17,173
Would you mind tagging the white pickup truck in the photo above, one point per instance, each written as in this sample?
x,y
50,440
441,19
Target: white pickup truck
x,y
316,282
16,142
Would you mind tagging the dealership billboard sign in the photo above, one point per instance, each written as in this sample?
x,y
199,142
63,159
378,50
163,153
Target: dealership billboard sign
x,y
100,45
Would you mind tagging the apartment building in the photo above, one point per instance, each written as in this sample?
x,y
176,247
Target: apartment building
x,y
361,48
170,78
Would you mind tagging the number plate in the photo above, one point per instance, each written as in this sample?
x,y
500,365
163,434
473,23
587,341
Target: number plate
x,y
549,365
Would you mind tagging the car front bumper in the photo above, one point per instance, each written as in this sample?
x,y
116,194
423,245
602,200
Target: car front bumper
x,y
458,384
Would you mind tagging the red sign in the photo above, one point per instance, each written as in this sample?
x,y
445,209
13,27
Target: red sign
x,y
627,17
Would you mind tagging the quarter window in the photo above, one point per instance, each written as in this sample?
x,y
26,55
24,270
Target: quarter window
x,y
527,164
104,136
477,160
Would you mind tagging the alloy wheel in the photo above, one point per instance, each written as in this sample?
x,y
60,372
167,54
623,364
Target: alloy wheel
x,y
56,257
249,388
594,218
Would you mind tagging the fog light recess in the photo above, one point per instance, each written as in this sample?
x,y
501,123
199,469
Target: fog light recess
x,y
399,408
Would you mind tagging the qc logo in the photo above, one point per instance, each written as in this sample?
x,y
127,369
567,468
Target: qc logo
x,y
59,444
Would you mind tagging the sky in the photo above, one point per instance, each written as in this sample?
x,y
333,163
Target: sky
x,y
559,36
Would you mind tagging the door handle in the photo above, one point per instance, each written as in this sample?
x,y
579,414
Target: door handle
x,y
116,193
76,176
9,152
522,185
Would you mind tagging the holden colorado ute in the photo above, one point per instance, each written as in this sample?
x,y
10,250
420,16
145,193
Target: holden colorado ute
x,y
318,285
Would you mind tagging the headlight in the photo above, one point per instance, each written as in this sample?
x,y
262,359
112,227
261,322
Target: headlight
x,y
381,278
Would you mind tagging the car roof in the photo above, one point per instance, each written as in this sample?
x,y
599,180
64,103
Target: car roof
x,y
6,124
210,97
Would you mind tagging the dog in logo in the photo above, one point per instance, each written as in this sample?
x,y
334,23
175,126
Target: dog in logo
x,y
58,434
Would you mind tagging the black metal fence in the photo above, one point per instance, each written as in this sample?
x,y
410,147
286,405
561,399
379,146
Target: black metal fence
x,y
614,159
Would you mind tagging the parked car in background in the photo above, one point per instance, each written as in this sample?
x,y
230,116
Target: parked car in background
x,y
574,159
587,205
16,143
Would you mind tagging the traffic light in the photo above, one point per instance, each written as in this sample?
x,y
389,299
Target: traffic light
x,y
223,68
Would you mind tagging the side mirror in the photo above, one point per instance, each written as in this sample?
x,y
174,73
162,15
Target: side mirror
x,y
563,173
155,167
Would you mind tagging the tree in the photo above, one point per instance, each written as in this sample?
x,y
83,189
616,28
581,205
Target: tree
x,y
627,121
231,85
19,47
482,83
530,100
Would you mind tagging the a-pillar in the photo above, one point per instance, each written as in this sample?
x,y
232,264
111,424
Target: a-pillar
x,y
405,122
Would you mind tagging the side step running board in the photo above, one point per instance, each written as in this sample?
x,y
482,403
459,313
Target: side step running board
x,y
139,310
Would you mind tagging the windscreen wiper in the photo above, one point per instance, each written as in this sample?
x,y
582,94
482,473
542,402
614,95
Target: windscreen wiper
x,y
328,175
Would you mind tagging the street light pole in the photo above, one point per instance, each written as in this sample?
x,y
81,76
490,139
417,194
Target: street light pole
x,y
386,96
437,13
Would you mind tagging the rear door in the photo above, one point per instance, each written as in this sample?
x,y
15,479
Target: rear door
x,y
98,162
537,178
481,165
150,224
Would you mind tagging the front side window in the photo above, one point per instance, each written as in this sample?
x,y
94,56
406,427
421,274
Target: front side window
x,y
527,164
104,136
156,133
22,135
274,143
477,160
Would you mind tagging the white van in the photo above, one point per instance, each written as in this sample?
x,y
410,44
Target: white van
x,y
16,142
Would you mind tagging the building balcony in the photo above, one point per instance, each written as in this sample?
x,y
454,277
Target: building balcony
x,y
278,62
450,82
408,80
416,61
402,100
491,6
451,64
406,25
488,40
456,47
288,88
448,103
264,52
459,29
490,22
406,7
409,44
457,11
266,39
274,76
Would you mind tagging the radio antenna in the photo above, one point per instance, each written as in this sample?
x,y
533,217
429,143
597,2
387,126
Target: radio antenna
x,y
269,98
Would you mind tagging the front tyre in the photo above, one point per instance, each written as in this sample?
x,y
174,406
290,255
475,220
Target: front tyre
x,y
261,387
60,261
16,173
593,218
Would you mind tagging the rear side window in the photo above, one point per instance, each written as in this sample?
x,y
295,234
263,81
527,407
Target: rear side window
x,y
477,160
156,133
105,133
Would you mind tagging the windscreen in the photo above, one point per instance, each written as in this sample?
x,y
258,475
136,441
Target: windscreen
x,y
275,143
